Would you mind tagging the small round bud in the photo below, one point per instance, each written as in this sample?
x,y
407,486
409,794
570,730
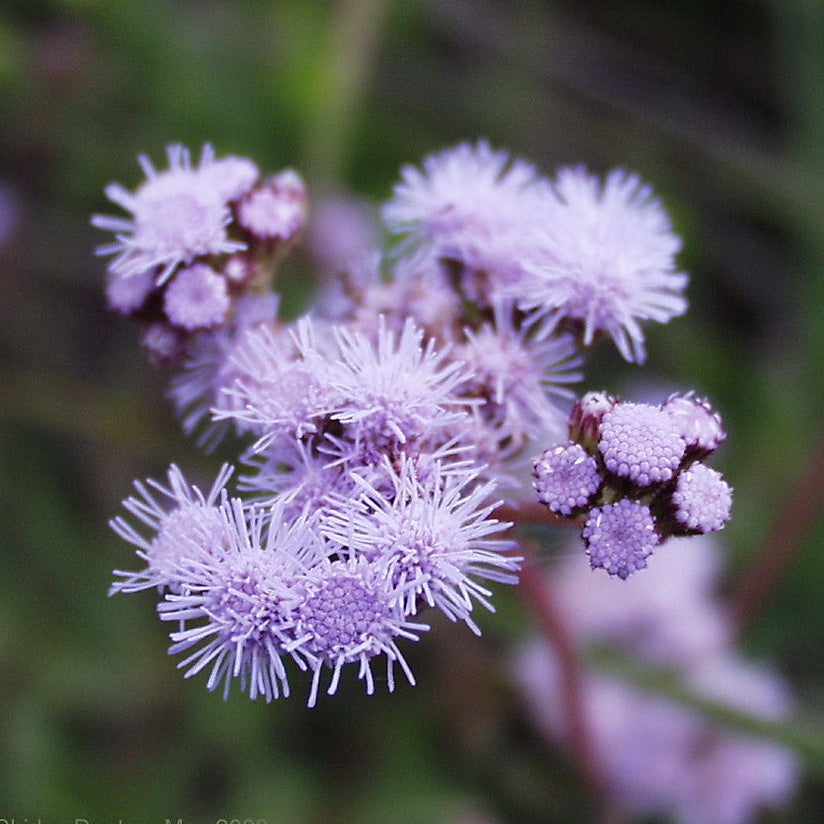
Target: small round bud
x,y
640,442
696,422
620,537
197,298
127,294
277,210
585,418
566,478
702,499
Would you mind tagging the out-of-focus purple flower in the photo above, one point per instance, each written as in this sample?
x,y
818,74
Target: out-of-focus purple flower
x,y
658,757
187,522
277,210
177,215
566,478
607,261
640,442
702,499
127,295
341,229
620,537
9,212
197,298
668,615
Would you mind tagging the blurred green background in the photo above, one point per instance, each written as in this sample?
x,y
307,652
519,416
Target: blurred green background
x,y
718,103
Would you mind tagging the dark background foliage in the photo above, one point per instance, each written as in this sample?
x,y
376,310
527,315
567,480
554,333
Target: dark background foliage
x,y
720,105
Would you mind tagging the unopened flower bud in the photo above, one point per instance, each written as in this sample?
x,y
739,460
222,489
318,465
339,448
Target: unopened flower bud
x,y
585,419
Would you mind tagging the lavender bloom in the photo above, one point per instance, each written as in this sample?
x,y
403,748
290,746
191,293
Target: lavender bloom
x,y
238,608
566,478
641,443
348,614
392,393
702,499
474,205
127,295
432,536
190,522
519,379
669,615
662,759
282,388
291,470
619,537
607,261
178,215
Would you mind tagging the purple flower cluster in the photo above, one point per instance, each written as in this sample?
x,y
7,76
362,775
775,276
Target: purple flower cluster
x,y
379,425
632,474
199,237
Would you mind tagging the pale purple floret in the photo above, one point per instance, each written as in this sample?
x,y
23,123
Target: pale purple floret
x,y
237,609
187,521
472,204
702,499
620,537
231,176
281,387
641,443
522,381
697,423
392,391
197,298
566,478
292,470
433,536
346,614
177,215
275,211
607,262
163,343
210,367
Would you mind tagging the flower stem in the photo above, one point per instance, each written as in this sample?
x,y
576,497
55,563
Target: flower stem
x,y
782,544
538,597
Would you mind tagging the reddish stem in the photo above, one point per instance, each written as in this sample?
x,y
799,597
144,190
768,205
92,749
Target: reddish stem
x,y
533,513
538,597
782,544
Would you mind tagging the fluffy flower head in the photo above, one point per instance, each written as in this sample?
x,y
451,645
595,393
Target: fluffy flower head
x,y
607,261
177,215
